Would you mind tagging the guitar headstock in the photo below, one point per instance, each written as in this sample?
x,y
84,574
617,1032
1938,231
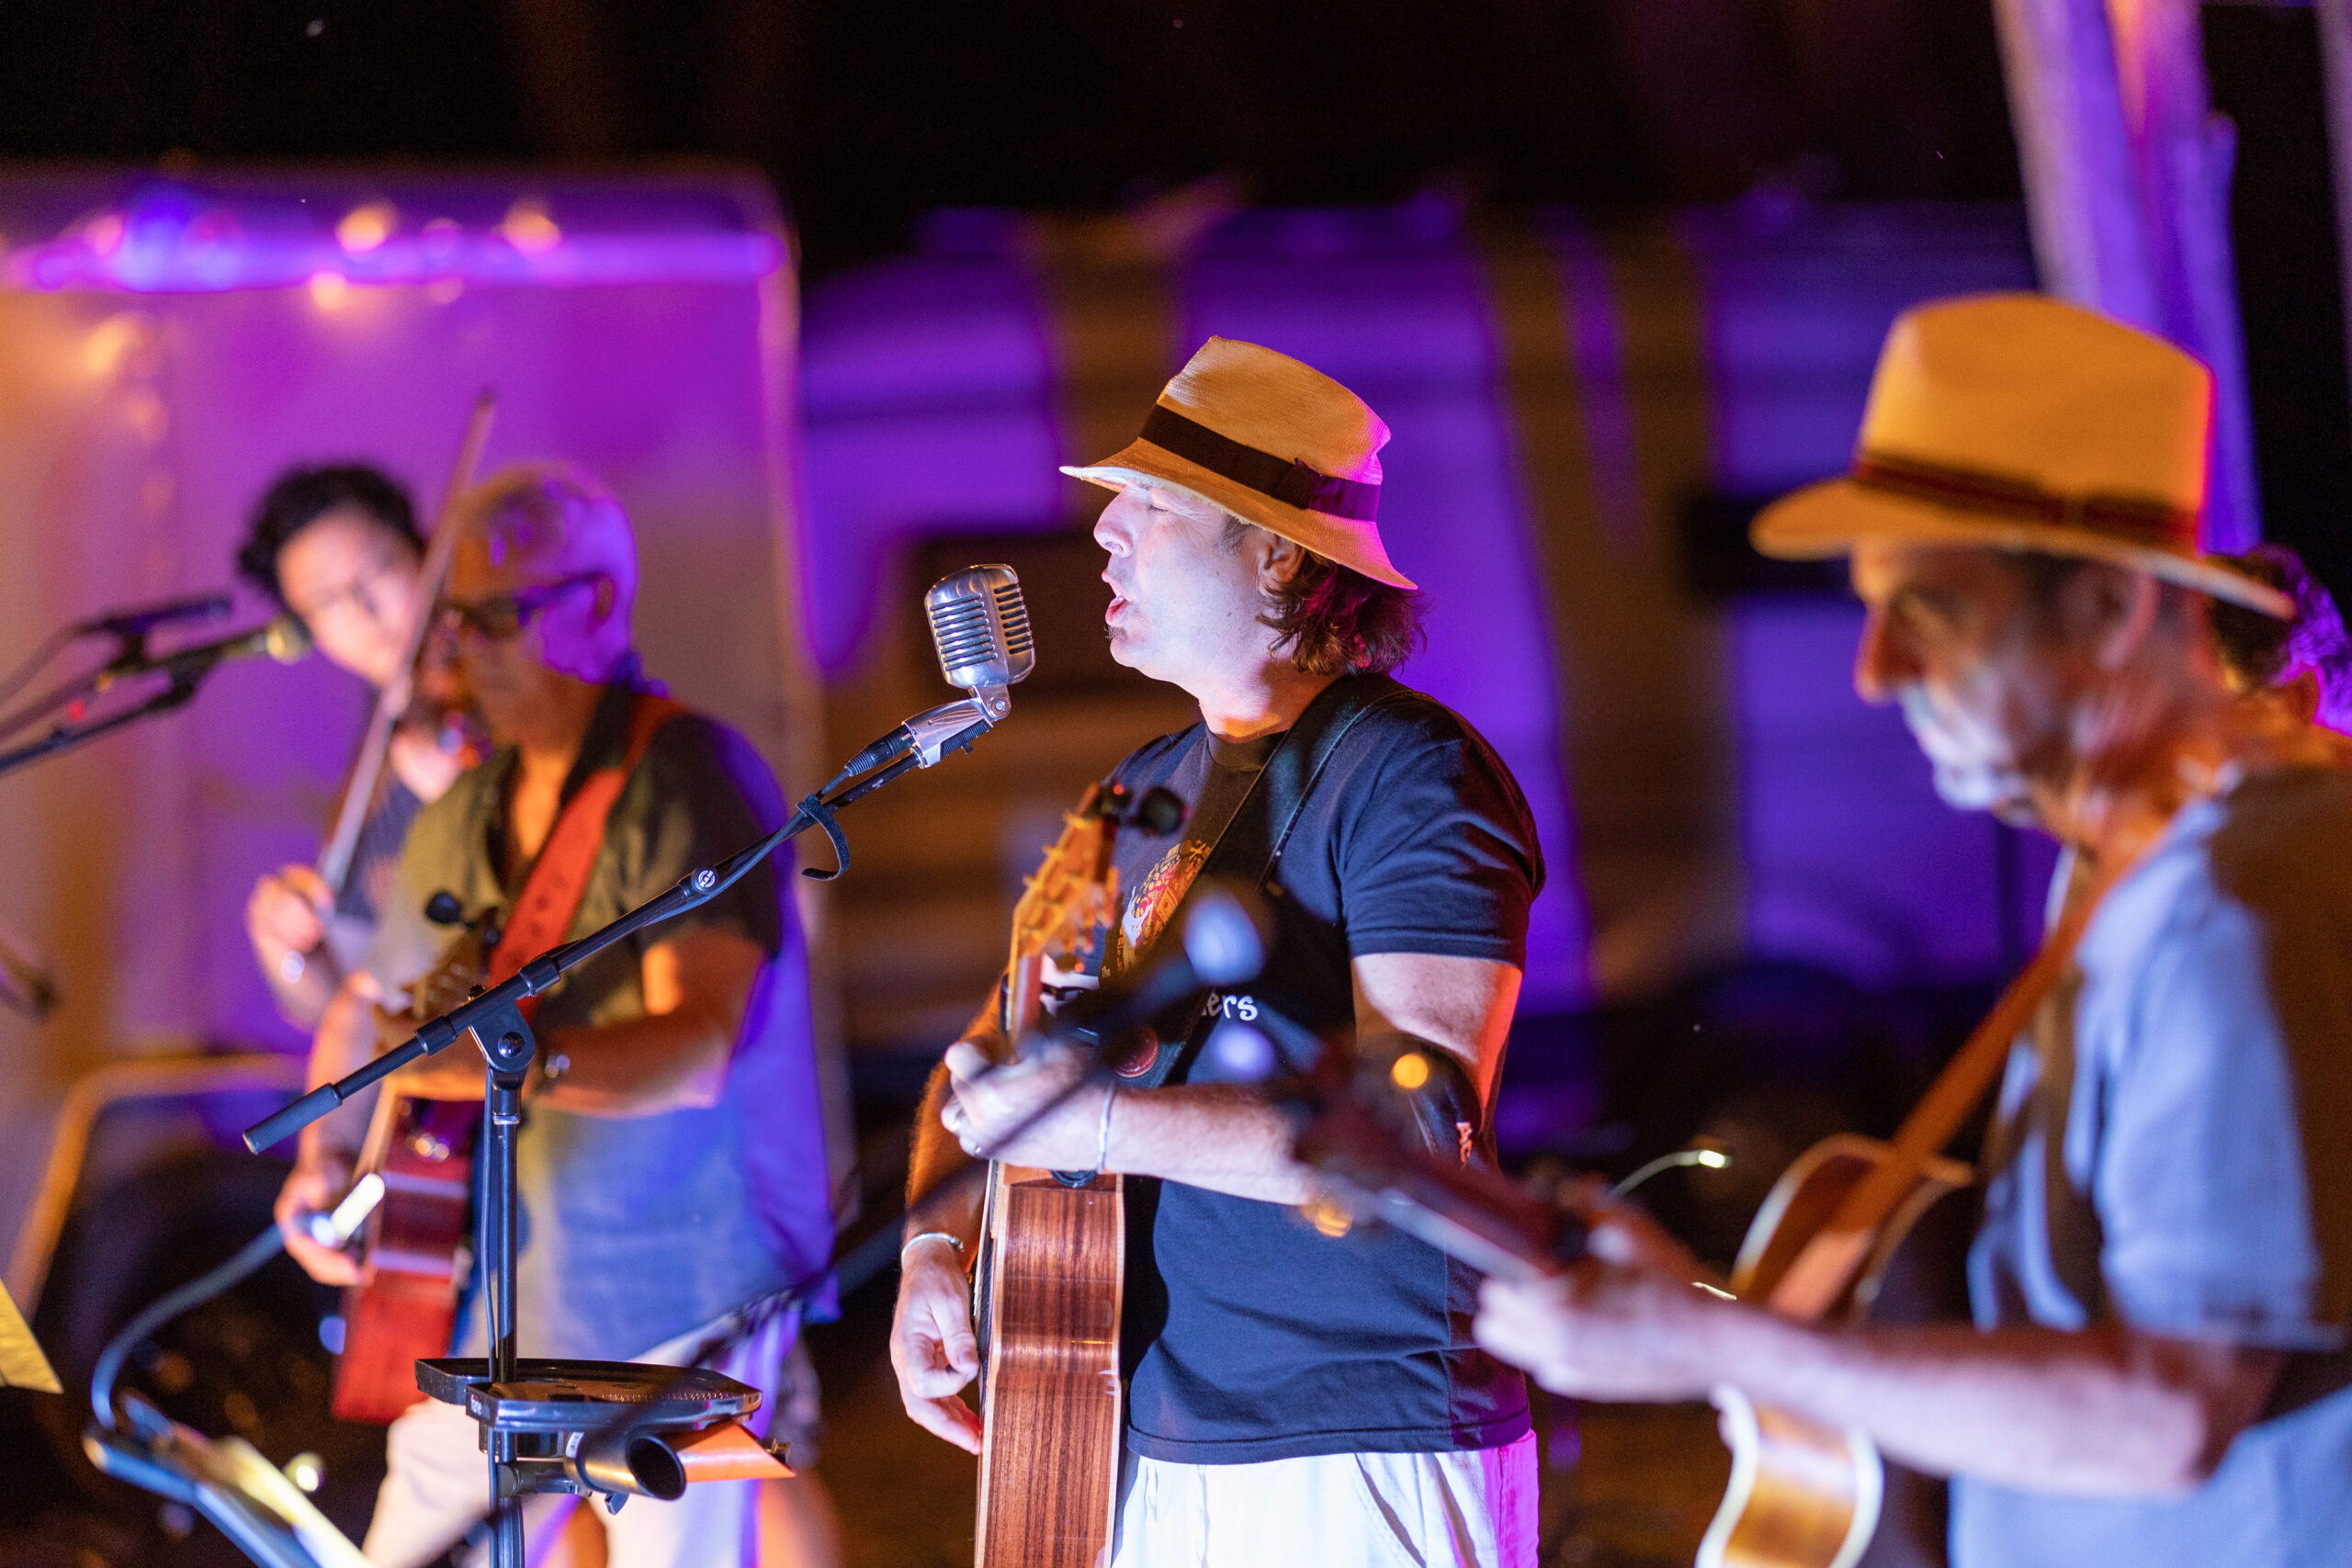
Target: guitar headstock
x,y
452,979
1067,906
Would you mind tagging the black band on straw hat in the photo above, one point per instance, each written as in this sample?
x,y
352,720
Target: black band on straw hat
x,y
1294,483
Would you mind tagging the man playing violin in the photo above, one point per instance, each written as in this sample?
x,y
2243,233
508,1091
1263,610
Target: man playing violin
x,y
338,548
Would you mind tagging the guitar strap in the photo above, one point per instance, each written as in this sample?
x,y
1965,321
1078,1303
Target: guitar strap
x,y
1248,846
1818,1277
558,879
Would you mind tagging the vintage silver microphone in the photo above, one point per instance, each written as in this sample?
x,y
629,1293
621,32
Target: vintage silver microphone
x,y
286,639
980,627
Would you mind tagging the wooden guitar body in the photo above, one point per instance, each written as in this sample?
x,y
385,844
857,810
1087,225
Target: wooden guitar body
x,y
1803,1495
1051,1274
1051,1399
419,1241
419,1255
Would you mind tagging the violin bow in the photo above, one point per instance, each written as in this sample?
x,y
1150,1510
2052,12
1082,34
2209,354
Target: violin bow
x,y
334,859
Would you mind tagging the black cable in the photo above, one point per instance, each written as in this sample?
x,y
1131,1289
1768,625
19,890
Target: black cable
x,y
196,1293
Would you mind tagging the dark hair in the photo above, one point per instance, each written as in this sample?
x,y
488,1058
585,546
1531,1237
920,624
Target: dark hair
x,y
2256,649
300,497
1336,620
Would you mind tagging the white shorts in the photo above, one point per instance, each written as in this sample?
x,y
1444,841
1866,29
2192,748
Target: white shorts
x,y
438,1484
1475,1509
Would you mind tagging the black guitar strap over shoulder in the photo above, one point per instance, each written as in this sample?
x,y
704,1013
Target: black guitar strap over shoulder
x,y
1249,845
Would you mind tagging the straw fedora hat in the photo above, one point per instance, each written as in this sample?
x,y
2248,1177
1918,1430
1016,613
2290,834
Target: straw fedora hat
x,y
1272,441
2015,421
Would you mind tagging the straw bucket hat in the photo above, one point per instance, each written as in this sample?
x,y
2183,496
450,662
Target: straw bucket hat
x,y
2015,421
1272,441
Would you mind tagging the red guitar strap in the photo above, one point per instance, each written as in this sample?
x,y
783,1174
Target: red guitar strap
x,y
559,878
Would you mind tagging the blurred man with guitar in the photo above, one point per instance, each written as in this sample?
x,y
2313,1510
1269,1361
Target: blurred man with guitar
x,y
338,548
1293,1395
2163,1281
671,1163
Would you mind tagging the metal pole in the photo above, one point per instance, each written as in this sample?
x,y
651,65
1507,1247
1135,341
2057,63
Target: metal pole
x,y
508,1049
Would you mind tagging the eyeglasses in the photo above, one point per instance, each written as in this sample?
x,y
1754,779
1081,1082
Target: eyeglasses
x,y
502,618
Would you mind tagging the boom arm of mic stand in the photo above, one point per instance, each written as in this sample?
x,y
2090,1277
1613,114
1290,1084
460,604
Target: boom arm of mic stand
x,y
67,736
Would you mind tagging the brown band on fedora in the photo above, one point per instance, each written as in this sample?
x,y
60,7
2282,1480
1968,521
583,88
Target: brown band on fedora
x,y
2149,522
1294,483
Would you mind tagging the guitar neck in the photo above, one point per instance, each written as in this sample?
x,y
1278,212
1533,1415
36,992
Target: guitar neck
x,y
1470,1212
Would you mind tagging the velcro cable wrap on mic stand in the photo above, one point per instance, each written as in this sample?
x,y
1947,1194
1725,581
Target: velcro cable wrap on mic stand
x,y
817,811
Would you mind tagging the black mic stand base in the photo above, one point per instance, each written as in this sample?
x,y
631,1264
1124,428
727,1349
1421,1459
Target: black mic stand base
x,y
556,1426
556,1423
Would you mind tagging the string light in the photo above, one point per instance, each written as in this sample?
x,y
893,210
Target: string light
x,y
529,229
366,228
328,288
108,342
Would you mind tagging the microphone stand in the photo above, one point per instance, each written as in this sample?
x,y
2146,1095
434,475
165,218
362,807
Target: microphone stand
x,y
67,735
184,671
521,1425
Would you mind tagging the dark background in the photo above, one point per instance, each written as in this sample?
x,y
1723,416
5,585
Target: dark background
x,y
866,113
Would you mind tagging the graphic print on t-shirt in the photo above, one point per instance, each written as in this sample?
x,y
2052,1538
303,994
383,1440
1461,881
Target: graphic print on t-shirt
x,y
1153,899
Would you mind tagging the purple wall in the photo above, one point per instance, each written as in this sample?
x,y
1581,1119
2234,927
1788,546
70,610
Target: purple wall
x,y
933,392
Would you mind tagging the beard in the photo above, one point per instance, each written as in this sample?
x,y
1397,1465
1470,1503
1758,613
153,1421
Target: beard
x,y
1976,768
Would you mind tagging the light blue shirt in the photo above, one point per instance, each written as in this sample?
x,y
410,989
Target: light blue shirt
x,y
2170,1153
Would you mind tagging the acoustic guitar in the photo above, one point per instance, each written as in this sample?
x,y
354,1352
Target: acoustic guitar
x,y
1052,1266
1801,1494
418,1243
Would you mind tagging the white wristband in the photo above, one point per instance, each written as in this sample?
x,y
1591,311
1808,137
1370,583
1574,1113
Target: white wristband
x,y
1102,1139
949,1238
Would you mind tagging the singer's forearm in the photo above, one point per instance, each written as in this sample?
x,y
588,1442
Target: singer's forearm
x,y
1223,1137
1230,1139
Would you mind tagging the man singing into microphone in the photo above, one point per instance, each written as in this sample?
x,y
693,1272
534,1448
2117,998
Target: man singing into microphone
x,y
672,1160
1292,1396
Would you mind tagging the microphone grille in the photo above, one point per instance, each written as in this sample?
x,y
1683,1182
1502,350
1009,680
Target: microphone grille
x,y
287,639
1013,614
980,626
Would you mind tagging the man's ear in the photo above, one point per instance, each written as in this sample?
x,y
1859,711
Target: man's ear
x,y
601,605
2116,607
1283,561
2301,692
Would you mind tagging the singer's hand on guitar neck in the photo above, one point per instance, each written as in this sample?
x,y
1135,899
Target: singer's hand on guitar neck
x,y
989,1102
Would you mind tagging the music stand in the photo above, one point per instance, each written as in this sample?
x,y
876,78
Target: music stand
x,y
22,1363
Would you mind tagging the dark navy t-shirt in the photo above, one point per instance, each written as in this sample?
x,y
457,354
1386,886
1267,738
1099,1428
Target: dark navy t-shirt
x,y
1249,1335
